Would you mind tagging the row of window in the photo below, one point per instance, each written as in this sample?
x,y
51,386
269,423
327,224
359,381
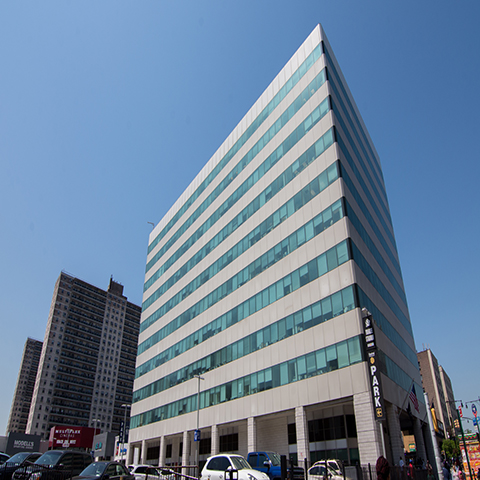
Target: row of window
x,y
366,189
333,357
305,233
262,169
287,176
374,250
358,128
371,185
253,127
295,240
314,151
380,287
319,312
301,276
363,208
287,115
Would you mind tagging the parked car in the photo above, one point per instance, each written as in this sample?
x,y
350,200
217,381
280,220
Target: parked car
x,y
217,466
104,471
269,463
333,463
142,472
56,465
3,457
320,471
20,459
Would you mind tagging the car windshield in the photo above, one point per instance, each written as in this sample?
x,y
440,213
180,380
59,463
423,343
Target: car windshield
x,y
274,458
49,458
94,469
240,463
18,457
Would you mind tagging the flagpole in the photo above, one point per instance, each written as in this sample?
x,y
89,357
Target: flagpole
x,y
407,396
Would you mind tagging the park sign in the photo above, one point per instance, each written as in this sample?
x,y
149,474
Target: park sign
x,y
373,370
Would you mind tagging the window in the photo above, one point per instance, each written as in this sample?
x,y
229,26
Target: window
x,y
292,434
205,447
229,443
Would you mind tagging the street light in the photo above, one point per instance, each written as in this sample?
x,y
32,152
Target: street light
x,y
197,431
124,406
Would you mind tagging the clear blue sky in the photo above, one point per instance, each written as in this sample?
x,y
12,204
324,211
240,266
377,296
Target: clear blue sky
x,y
109,109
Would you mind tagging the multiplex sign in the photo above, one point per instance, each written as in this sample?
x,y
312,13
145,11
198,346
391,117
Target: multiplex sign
x,y
373,370
69,437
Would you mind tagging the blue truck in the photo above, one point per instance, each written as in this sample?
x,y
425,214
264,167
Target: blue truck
x,y
269,463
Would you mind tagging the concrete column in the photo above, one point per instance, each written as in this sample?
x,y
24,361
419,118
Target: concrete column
x,y
143,452
419,440
368,432
136,455
215,440
301,427
186,452
128,455
252,434
396,437
161,460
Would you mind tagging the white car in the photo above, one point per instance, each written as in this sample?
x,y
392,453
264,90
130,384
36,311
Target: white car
x,y
333,463
320,472
143,472
226,466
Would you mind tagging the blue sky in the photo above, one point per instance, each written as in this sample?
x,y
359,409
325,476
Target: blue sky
x,y
109,109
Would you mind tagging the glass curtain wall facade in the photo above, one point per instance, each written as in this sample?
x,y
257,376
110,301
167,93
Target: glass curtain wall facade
x,y
255,281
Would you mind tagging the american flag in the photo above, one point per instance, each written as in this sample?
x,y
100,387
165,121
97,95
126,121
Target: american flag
x,y
413,398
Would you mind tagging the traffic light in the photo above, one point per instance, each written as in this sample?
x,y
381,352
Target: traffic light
x,y
456,423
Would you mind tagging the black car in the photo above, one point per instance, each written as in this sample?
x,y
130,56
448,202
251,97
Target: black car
x,y
55,465
104,471
3,457
14,463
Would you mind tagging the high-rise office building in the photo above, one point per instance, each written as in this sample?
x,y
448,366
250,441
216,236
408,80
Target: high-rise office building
x,y
451,413
256,279
87,364
439,389
22,398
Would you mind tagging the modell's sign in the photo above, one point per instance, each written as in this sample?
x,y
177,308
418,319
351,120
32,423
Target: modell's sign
x,y
71,437
22,442
373,370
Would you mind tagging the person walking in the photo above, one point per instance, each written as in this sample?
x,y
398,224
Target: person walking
x,y
383,468
446,471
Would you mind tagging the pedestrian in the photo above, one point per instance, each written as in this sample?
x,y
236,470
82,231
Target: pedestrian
x,y
410,470
383,468
446,471
430,475
478,473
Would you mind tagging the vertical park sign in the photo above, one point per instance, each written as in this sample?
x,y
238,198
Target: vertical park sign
x,y
373,370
